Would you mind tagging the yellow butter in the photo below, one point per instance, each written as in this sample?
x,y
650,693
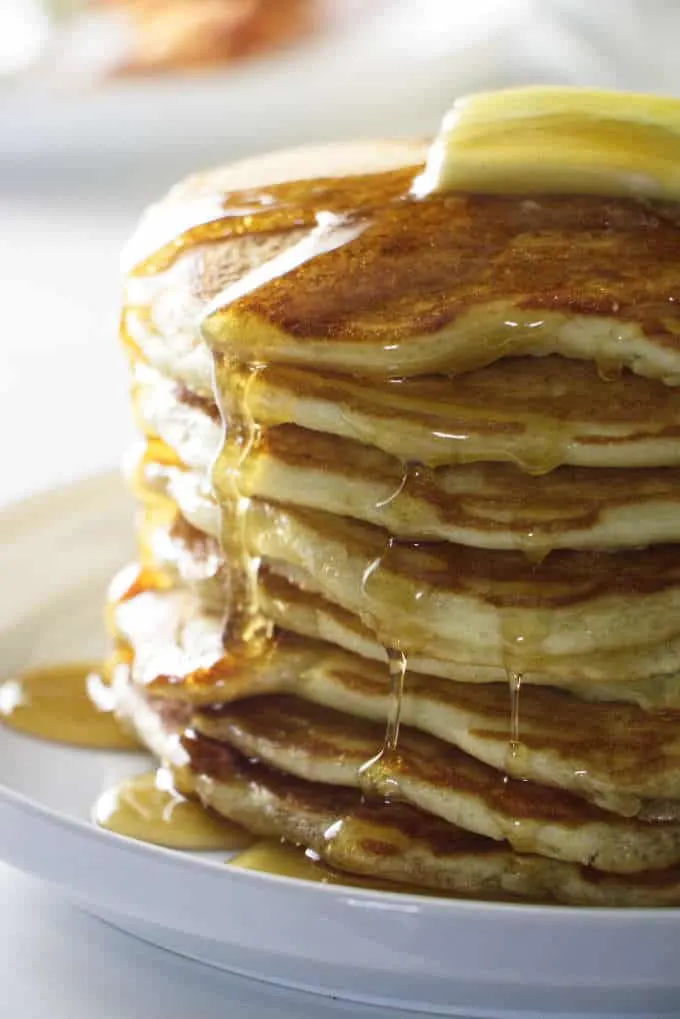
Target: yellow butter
x,y
557,140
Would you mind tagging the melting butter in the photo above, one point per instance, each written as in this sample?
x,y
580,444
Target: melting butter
x,y
557,140
69,703
149,808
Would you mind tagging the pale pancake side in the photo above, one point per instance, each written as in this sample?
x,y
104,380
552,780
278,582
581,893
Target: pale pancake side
x,y
323,745
538,413
488,505
395,841
617,755
489,608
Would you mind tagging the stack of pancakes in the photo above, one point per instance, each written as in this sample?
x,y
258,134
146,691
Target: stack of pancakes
x,y
408,592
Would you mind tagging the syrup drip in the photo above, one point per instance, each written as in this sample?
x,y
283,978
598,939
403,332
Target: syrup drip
x,y
69,703
609,369
519,641
397,672
548,453
515,685
150,809
248,630
535,547
378,775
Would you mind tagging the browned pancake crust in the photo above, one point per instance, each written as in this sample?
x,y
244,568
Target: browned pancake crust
x,y
419,265
503,579
398,842
320,732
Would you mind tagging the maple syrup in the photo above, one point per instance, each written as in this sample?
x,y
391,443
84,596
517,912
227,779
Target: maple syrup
x,y
70,703
149,808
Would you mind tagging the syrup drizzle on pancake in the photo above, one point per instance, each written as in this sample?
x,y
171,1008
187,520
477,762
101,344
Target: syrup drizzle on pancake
x,y
248,630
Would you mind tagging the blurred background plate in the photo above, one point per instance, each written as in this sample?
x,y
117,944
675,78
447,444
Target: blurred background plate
x,y
371,67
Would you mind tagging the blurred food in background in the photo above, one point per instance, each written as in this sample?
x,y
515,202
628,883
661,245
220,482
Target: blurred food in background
x,y
73,40
169,35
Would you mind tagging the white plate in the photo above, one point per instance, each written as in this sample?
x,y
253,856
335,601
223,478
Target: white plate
x,y
458,958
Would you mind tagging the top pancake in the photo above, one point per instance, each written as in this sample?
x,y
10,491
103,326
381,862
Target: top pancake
x,y
192,245
375,282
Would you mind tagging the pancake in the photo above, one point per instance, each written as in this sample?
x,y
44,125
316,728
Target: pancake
x,y
616,755
481,277
485,608
188,423
186,555
154,472
321,745
394,841
398,843
536,412
451,283
192,245
599,677
644,673
179,652
488,505
458,281
176,627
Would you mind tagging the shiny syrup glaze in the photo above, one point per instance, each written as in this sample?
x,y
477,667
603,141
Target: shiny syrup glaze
x,y
69,703
270,856
286,860
149,808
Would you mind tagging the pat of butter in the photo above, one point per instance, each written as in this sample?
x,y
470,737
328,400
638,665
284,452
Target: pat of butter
x,y
557,140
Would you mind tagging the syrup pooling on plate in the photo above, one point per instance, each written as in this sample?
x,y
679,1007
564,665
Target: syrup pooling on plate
x,y
286,860
149,808
70,703
248,631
